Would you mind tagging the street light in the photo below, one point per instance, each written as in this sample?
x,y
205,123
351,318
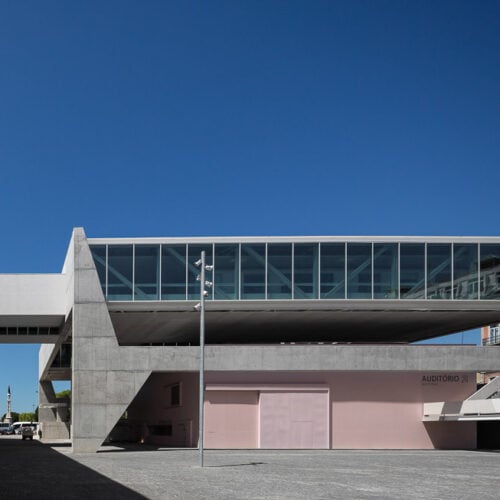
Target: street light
x,y
201,308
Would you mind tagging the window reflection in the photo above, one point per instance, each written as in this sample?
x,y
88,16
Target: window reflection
x,y
173,272
305,270
279,271
439,271
359,270
490,271
226,269
385,271
332,274
253,271
465,273
412,271
147,272
120,272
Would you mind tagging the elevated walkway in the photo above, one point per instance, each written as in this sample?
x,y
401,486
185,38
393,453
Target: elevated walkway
x,y
32,308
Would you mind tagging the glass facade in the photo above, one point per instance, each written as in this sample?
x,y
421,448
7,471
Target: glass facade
x,y
253,272
226,271
439,271
120,272
279,271
147,272
305,271
490,272
465,271
173,272
359,270
301,271
332,270
385,271
412,271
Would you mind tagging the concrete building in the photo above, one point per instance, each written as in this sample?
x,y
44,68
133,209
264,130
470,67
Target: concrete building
x,y
308,340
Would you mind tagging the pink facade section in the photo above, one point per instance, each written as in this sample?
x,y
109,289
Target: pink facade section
x,y
361,410
231,419
384,411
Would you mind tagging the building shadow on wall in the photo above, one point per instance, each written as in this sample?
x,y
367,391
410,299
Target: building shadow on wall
x,y
449,435
30,469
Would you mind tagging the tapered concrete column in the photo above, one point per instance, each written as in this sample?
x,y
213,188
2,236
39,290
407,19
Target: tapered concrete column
x,y
103,382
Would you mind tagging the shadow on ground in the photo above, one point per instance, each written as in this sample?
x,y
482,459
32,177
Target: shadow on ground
x,y
30,469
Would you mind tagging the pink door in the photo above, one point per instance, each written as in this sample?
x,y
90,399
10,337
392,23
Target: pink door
x,y
294,419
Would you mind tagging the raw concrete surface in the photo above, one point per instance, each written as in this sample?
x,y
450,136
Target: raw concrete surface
x,y
36,470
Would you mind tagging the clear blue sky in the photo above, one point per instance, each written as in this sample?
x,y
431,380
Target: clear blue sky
x,y
160,118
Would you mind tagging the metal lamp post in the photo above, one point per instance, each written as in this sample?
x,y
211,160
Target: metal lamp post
x,y
201,307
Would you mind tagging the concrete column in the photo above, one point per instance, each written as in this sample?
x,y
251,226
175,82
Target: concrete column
x,y
103,382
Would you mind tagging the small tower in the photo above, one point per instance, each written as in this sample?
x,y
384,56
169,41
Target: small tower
x,y
8,417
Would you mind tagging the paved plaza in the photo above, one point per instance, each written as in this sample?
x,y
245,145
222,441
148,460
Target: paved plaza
x,y
36,470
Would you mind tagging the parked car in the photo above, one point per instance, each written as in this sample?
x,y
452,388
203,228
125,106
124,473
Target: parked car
x,y
27,433
4,427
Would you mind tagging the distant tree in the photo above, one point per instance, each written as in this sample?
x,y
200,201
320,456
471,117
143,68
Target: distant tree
x,y
27,417
64,394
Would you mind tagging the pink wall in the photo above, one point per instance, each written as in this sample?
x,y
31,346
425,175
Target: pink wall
x,y
367,410
151,407
379,410
231,419
384,410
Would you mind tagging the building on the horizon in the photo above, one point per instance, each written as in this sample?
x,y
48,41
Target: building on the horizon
x,y
8,415
309,340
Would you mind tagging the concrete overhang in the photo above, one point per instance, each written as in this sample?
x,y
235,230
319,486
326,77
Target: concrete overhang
x,y
364,321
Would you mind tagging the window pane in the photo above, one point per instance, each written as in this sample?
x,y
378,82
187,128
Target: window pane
x,y
194,253
147,272
490,271
99,255
279,271
173,272
333,270
120,272
253,272
385,271
439,271
305,278
412,271
359,270
226,272
465,273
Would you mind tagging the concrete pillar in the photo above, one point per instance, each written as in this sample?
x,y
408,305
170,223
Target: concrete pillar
x,y
103,382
